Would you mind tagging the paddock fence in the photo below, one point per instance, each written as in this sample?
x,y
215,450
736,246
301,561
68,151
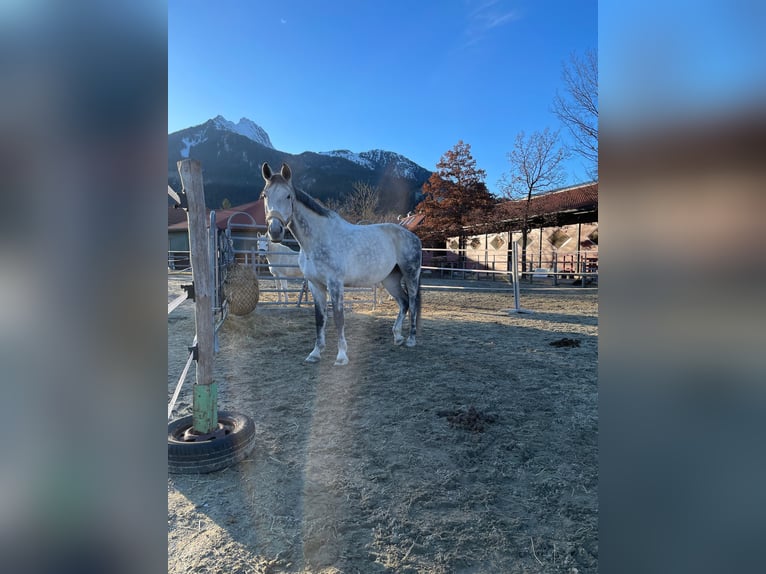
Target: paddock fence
x,y
495,265
179,260
238,242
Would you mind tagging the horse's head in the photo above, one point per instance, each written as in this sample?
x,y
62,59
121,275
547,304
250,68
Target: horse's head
x,y
263,244
278,195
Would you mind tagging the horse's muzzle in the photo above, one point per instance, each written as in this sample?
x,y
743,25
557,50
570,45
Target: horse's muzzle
x,y
276,231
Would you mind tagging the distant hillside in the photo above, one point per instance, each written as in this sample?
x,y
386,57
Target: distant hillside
x,y
231,156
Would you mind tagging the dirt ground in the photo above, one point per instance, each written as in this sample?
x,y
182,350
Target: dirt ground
x,y
474,452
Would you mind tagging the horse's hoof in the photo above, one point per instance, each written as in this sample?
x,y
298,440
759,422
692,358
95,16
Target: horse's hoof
x,y
312,359
410,342
341,362
398,340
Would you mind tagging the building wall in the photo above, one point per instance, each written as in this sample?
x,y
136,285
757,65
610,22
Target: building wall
x,y
486,251
571,245
178,240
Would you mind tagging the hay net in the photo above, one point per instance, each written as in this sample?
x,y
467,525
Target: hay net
x,y
240,288
239,281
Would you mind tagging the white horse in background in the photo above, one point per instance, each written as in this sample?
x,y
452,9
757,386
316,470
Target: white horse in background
x,y
283,264
336,254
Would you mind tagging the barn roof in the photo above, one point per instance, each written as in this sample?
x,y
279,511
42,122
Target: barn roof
x,y
412,221
175,215
574,204
578,199
254,209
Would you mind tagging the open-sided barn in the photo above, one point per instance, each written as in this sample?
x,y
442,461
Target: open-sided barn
x,y
563,224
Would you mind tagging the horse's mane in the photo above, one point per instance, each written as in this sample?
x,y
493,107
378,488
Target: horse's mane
x,y
312,204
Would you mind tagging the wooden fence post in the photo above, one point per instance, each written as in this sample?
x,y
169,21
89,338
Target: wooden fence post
x,y
205,397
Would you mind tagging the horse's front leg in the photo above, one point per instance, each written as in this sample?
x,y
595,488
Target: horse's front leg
x,y
276,285
320,311
283,286
336,295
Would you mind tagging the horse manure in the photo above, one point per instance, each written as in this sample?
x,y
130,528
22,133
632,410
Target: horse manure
x,y
565,343
469,419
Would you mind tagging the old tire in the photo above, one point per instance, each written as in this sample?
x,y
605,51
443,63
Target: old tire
x,y
237,437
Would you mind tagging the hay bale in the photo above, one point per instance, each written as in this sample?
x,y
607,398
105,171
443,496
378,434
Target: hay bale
x,y
241,289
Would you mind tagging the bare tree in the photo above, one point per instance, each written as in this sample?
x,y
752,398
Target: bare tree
x,y
536,165
362,205
578,107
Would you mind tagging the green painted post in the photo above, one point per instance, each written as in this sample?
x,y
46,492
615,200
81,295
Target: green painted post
x,y
205,408
205,397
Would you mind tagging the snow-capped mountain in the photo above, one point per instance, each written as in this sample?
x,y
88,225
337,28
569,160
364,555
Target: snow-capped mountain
x,y
232,154
350,156
376,158
199,134
245,127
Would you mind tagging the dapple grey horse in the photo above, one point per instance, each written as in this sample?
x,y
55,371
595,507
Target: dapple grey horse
x,y
335,253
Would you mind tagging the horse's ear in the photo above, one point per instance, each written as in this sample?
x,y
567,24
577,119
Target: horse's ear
x,y
266,171
285,171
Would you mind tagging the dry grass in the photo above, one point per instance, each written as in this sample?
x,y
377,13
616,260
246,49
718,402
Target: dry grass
x,y
475,451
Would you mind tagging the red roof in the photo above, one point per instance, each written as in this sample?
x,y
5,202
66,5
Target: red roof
x,y
575,198
581,197
254,209
175,215
410,222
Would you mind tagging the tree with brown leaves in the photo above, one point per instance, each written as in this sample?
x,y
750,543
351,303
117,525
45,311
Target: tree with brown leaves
x,y
455,196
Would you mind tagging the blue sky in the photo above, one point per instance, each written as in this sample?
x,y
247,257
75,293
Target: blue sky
x,y
410,77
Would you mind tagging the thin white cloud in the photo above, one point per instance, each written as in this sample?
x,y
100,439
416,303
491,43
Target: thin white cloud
x,y
487,16
481,7
501,19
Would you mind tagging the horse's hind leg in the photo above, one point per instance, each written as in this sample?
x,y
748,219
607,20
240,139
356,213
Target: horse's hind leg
x,y
393,284
320,311
412,282
336,294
